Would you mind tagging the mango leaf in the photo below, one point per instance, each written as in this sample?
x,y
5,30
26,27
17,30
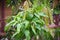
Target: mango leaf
x,y
26,23
27,34
36,15
29,16
18,18
35,19
33,30
38,27
18,27
42,22
14,34
19,36
18,30
21,14
8,26
15,23
42,14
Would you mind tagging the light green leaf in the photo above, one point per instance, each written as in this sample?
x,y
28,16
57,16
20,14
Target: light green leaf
x,y
42,14
27,34
37,15
26,24
42,21
38,27
8,26
15,23
14,34
18,18
33,30
18,30
18,27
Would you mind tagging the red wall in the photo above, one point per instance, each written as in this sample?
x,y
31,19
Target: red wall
x,y
8,12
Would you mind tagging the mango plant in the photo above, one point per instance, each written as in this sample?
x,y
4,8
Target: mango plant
x,y
28,25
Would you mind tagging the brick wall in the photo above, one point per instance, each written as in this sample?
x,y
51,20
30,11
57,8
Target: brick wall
x,y
8,12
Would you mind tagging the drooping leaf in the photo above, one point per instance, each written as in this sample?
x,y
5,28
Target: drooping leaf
x,y
8,26
42,14
26,23
27,34
15,23
18,27
33,29
18,30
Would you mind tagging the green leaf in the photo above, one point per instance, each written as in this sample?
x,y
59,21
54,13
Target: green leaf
x,y
26,23
42,22
42,14
38,27
14,34
18,18
33,30
8,26
18,30
15,23
29,16
35,19
27,34
18,27
21,14
36,15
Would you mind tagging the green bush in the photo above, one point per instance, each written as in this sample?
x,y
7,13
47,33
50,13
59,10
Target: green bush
x,y
28,24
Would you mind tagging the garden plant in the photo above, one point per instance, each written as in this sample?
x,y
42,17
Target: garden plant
x,y
29,24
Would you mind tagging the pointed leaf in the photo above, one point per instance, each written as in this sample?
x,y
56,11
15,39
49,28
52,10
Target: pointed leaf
x,y
33,30
27,34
